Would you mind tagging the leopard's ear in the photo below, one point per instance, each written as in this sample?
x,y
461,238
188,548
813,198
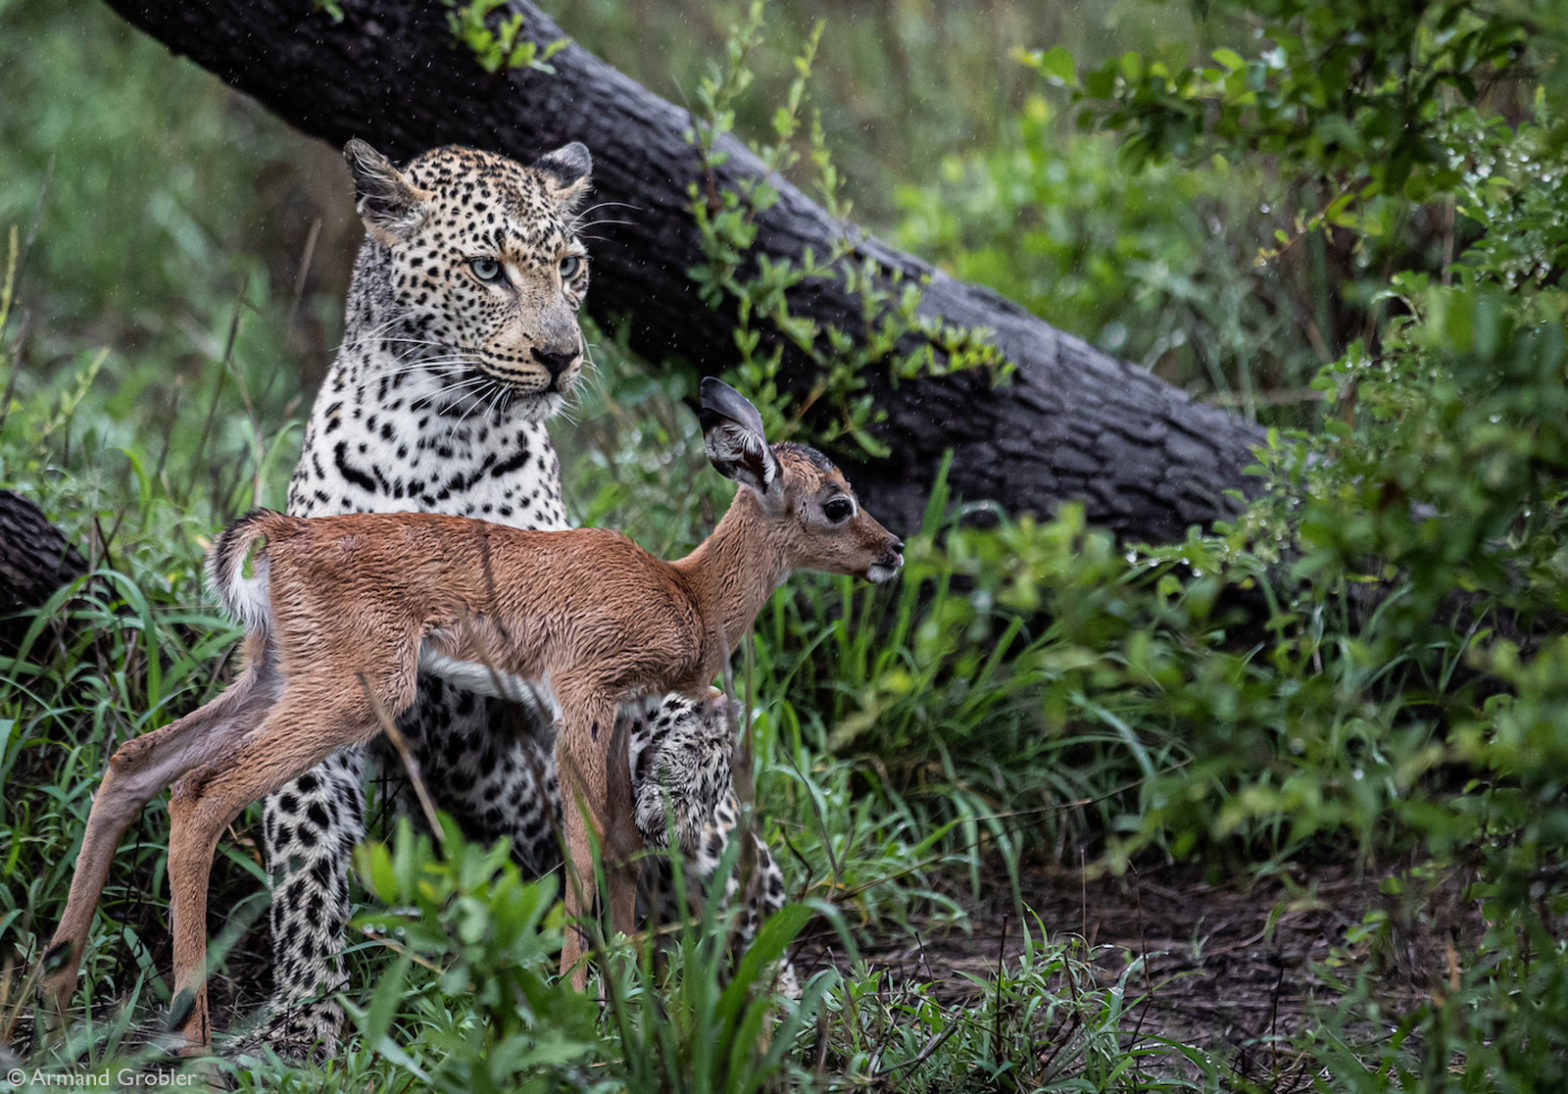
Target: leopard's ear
x,y
566,173
390,205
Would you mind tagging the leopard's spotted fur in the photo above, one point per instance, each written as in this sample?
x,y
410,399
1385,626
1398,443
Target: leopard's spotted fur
x,y
437,401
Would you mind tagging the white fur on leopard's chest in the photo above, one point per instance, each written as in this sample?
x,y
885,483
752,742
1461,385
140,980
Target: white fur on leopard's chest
x,y
365,454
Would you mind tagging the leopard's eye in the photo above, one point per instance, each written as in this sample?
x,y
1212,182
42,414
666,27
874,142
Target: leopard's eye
x,y
570,265
487,270
838,510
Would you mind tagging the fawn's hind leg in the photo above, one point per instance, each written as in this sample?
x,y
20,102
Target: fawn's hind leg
x,y
137,771
303,728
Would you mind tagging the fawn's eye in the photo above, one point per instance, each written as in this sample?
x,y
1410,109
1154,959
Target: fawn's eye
x,y
570,265
838,510
487,270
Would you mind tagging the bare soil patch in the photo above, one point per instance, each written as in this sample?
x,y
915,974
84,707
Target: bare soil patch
x,y
1235,969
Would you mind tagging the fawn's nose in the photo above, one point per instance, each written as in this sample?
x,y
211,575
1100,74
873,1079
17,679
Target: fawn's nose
x,y
891,561
893,553
555,362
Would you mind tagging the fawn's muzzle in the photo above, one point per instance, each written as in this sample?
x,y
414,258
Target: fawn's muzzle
x,y
888,565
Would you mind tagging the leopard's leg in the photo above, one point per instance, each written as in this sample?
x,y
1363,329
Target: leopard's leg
x,y
505,784
683,785
479,776
764,889
310,829
494,771
680,761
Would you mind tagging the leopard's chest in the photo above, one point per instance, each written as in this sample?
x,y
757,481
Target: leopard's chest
x,y
371,447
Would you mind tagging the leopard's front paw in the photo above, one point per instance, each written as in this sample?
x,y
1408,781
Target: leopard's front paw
x,y
307,1033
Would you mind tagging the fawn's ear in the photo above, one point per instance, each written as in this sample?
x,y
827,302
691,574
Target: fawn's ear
x,y
566,174
732,435
389,204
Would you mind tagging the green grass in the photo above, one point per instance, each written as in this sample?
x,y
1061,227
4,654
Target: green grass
x,y
914,746
901,750
1334,683
1024,687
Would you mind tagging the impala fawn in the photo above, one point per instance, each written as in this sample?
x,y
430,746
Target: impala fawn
x,y
343,612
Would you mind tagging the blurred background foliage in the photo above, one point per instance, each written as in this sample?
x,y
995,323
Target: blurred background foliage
x,y
1346,220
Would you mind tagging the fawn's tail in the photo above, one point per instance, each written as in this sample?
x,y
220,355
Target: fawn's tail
x,y
245,598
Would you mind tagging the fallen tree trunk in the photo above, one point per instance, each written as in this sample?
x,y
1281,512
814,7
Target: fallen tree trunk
x,y
1146,459
35,560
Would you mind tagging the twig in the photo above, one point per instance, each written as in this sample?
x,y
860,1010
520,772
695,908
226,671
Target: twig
x,y
1066,1038
821,1067
1143,957
816,811
1279,982
15,1006
1287,397
996,1016
299,278
1083,894
7,299
919,1058
398,948
740,778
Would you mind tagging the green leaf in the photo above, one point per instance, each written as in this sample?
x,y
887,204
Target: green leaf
x,y
385,1001
1057,64
1229,58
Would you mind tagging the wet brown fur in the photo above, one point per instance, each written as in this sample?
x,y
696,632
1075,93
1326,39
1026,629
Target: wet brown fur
x,y
352,599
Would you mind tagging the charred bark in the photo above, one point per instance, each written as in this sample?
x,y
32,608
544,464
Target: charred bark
x,y
1146,459
35,560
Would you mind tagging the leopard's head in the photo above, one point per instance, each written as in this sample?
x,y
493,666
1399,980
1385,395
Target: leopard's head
x,y
485,271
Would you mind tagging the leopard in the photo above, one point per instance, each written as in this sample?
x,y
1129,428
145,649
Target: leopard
x,y
461,340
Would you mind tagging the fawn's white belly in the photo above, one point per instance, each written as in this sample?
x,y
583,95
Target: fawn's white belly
x,y
486,680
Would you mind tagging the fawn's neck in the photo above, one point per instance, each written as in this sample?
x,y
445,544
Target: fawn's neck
x,y
733,572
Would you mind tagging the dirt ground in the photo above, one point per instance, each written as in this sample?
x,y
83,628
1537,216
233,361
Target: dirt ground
x,y
1226,968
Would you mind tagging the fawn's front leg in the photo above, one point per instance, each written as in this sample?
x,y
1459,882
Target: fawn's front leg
x,y
596,808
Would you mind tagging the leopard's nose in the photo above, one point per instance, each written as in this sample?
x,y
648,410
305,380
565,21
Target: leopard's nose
x,y
555,363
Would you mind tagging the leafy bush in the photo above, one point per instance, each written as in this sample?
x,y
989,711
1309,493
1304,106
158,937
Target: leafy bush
x,y
1366,665
171,235
1154,265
